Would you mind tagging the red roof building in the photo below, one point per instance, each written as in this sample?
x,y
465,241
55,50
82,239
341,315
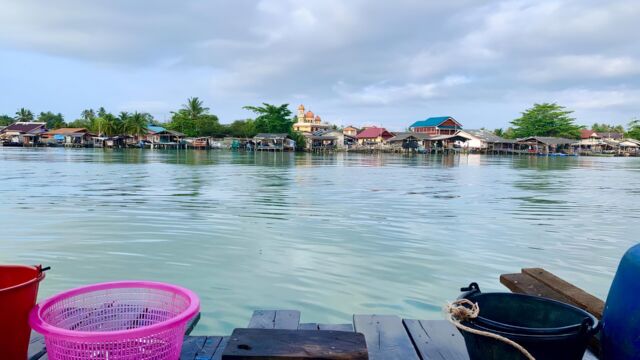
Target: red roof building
x,y
373,135
588,134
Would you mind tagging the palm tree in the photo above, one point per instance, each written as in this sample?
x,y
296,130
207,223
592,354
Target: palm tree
x,y
194,109
88,115
136,124
24,115
272,118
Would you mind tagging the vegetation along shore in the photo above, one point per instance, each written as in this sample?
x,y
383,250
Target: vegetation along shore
x,y
544,129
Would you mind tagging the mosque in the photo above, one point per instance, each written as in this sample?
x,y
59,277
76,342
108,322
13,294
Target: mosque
x,y
308,122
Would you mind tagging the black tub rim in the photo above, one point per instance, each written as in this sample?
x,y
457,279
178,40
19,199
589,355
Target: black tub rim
x,y
590,326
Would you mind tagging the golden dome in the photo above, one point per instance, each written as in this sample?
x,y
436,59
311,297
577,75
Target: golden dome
x,y
301,107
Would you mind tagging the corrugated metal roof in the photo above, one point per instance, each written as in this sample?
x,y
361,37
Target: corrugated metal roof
x,y
433,121
373,132
155,129
26,127
488,136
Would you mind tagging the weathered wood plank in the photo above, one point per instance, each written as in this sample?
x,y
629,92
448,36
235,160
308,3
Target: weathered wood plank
x,y
223,344
386,337
525,284
191,346
209,348
576,296
262,319
287,319
436,339
275,319
336,327
277,344
308,326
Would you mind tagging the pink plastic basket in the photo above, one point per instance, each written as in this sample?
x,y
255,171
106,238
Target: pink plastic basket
x,y
116,321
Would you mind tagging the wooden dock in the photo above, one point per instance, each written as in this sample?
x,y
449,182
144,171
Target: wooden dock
x,y
388,337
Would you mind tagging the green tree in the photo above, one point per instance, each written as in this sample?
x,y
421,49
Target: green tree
x,y
634,129
82,123
546,120
136,124
193,119
242,129
272,118
53,121
6,120
88,115
112,125
24,115
607,128
499,132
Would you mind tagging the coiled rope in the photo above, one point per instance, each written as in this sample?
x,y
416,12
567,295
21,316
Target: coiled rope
x,y
457,312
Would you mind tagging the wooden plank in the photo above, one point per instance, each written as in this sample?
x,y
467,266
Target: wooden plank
x,y
437,339
277,344
336,327
191,346
308,326
275,319
262,319
386,337
576,296
287,319
223,344
209,348
525,284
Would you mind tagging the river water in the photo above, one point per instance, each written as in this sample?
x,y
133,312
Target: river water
x,y
328,235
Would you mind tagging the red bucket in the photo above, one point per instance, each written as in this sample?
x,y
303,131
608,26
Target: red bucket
x,y
18,293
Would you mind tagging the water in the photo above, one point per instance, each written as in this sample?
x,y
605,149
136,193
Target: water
x,y
328,235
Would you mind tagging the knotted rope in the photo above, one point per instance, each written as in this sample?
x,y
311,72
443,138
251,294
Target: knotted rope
x,y
457,312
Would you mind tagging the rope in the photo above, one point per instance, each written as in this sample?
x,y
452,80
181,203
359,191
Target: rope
x,y
457,312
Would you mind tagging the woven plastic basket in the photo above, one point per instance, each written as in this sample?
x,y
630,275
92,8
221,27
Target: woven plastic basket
x,y
123,320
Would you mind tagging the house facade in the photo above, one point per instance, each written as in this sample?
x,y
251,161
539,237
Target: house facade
x,y
441,125
373,135
69,137
350,131
23,133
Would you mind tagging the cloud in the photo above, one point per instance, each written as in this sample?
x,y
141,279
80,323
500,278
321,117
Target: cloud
x,y
408,56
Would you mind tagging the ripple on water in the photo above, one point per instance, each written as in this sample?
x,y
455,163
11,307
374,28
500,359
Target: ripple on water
x,y
330,235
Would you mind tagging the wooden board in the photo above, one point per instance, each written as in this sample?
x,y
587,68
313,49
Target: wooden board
x,y
437,340
276,344
386,337
200,347
336,327
576,296
275,319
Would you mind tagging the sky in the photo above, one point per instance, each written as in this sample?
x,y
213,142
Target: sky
x,y
360,62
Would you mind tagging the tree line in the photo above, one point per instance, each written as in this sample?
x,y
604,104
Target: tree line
x,y
193,119
551,119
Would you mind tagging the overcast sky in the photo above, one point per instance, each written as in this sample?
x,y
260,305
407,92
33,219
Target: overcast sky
x,y
356,62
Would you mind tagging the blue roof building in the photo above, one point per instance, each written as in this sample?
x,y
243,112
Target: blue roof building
x,y
439,125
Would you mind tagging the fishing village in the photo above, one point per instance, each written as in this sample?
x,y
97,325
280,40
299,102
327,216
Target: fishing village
x,y
307,132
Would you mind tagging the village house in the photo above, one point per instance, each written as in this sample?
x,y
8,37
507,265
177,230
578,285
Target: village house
x,y
308,122
543,145
485,141
80,137
326,140
350,131
373,135
159,136
273,142
23,133
441,125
